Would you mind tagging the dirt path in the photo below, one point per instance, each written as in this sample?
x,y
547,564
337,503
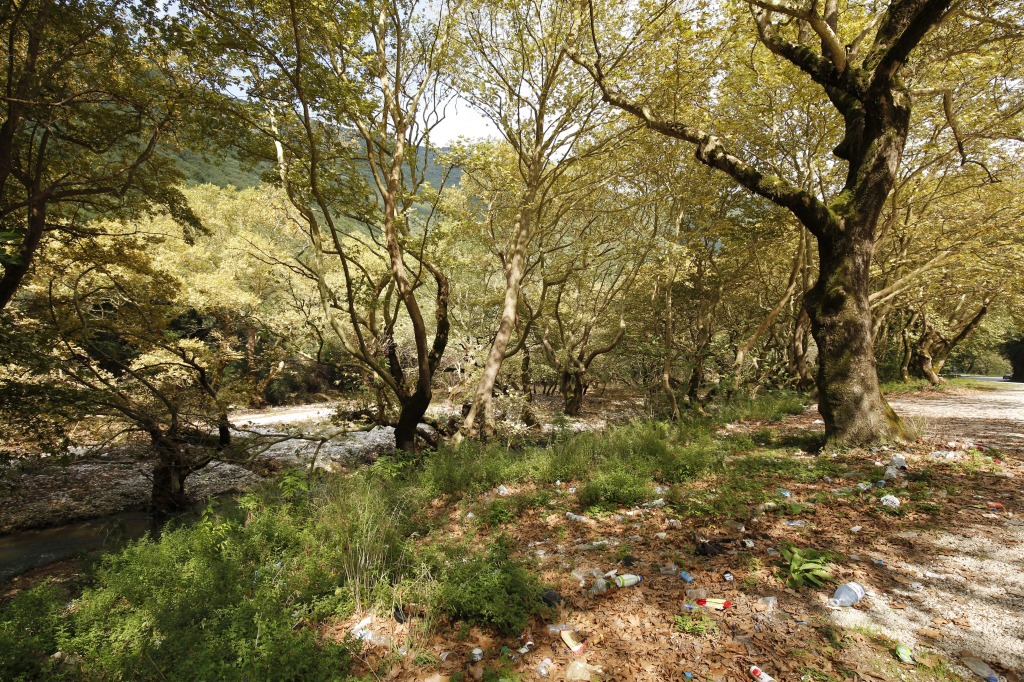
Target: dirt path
x,y
993,415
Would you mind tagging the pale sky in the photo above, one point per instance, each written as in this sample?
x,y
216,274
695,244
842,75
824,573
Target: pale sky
x,y
462,121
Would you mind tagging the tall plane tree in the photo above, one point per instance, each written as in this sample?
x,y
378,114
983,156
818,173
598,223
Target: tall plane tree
x,y
858,56
347,95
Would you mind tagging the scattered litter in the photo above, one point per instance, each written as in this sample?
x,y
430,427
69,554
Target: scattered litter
x,y
627,580
747,543
728,577
845,595
980,668
661,489
656,504
768,604
898,461
554,629
544,667
598,544
760,675
503,491
552,598
696,594
362,632
570,640
796,523
575,517
902,652
686,576
600,586
993,505
707,548
785,493
933,575
581,672
674,523
477,655
891,473
470,516
856,529
572,491
668,570
916,586
890,501
661,536
863,486
444,656
948,455
818,422
717,604
880,484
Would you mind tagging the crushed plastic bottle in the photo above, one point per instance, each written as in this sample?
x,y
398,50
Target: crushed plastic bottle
x,y
847,594
656,504
503,491
575,517
980,668
760,675
555,628
696,594
544,667
898,461
769,604
600,586
686,576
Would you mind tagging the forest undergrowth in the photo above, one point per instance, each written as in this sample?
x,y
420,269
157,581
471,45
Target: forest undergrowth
x,y
464,548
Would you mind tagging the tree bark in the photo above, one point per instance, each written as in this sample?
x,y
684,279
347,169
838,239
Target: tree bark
x,y
850,397
409,417
169,474
14,273
483,398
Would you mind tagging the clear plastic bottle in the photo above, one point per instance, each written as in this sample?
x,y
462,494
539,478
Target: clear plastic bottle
x,y
846,595
544,667
600,586
980,668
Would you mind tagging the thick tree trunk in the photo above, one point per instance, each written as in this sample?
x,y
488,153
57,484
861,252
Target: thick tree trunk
x,y
572,393
850,398
410,416
169,476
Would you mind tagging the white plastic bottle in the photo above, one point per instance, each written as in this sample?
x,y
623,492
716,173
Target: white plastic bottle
x,y
981,669
846,595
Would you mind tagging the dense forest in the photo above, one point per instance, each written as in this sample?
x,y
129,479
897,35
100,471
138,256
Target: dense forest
x,y
705,210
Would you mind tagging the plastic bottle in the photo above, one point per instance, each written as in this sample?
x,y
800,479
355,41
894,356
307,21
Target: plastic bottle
x,y
600,586
980,668
847,595
626,580
554,629
544,667
760,675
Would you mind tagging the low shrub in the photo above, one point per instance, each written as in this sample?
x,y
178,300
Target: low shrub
x,y
490,589
29,627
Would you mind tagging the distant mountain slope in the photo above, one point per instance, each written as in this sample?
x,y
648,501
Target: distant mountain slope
x,y
199,169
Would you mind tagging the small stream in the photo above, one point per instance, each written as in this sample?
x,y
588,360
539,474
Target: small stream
x,y
29,549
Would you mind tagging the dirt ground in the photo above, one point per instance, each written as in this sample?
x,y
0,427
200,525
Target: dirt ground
x,y
943,574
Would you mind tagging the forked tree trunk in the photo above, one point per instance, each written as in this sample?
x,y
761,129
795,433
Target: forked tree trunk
x,y
572,393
